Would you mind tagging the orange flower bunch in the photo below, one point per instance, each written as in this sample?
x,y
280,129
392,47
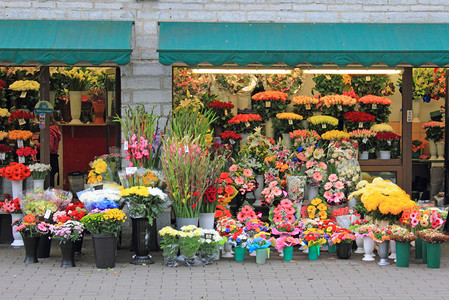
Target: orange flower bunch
x,y
338,100
243,118
15,171
225,192
375,99
303,100
270,96
20,135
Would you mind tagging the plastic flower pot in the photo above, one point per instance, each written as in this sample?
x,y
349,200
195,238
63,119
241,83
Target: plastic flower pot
x,y
418,248
288,253
344,250
31,244
433,255
239,253
261,256
332,249
105,247
314,252
402,254
424,252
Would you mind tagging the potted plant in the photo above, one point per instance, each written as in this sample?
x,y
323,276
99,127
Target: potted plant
x,y
387,143
366,141
190,236
170,245
434,134
67,233
105,227
208,245
97,95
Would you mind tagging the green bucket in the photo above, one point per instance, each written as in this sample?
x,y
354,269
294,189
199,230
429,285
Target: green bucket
x,y
418,248
402,254
332,249
433,255
239,253
261,256
424,252
288,253
314,252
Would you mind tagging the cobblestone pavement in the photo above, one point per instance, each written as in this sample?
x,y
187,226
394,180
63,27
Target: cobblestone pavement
x,y
226,279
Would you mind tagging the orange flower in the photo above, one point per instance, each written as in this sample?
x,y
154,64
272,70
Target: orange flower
x,y
29,218
229,190
270,96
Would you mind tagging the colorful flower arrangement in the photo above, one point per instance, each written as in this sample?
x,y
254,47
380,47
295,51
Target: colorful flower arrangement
x,y
222,112
227,226
26,154
245,123
365,230
377,106
402,235
358,120
269,103
334,189
316,208
322,124
106,222
422,219
304,137
285,83
313,237
284,212
11,206
365,139
15,171
273,194
69,231
305,105
254,152
99,167
337,105
225,191
433,236
246,213
438,89
434,130
30,226
381,234
286,241
287,122
342,236
145,202
242,178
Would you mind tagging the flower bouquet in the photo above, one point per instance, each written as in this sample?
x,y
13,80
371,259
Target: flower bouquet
x,y
388,141
222,111
287,122
239,238
39,171
313,237
20,136
222,212
377,106
169,244
11,206
4,116
434,130
255,227
35,203
286,243
365,230
402,235
242,178
304,138
269,103
422,219
315,171
337,105
230,137
244,123
285,83
285,228
209,241
433,236
25,94
225,191
90,196
106,222
189,244
246,213
343,236
70,231
342,161
355,120
380,235
365,139
322,124
227,226
354,227
258,243
305,106
74,211
284,212
273,194
254,152
26,155
316,208
334,189
30,226
335,135
382,127
59,197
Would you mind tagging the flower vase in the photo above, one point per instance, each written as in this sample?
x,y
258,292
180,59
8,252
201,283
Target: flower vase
x,y
286,140
433,149
359,242
433,256
18,241
99,112
181,222
227,250
141,236
344,250
424,252
312,192
288,253
440,150
258,191
261,256
384,154
418,248
43,250
239,253
416,104
269,128
383,253
368,247
393,250
75,106
206,220
105,248
31,244
38,183
17,188
68,255
364,155
313,252
402,254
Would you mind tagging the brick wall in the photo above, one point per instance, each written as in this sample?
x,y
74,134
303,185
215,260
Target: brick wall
x,y
145,80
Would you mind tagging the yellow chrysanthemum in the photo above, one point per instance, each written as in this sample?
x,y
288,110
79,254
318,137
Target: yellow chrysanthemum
x,y
323,215
316,201
322,207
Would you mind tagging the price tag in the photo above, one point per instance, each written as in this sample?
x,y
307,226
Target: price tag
x,y
41,117
247,124
368,78
324,126
360,125
19,143
268,104
389,143
365,140
339,107
186,149
23,94
22,122
226,112
47,214
130,170
328,77
308,106
2,155
374,105
21,159
125,145
290,122
231,141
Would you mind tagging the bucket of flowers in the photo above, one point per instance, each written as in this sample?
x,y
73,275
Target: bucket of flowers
x,y
285,244
260,245
305,106
382,237
322,123
355,120
377,106
366,141
209,242
313,238
337,105
403,238
239,239
433,240
67,233
189,244
343,239
169,244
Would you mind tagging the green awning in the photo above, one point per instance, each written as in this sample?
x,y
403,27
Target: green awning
x,y
68,42
303,43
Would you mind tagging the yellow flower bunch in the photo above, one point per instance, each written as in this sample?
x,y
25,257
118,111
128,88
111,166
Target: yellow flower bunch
x,y
114,214
135,190
93,177
168,230
190,103
99,166
338,99
315,120
149,179
317,208
4,113
20,135
288,116
335,135
3,134
25,85
383,127
302,100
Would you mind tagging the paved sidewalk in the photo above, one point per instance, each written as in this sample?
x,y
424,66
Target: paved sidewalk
x,y
226,279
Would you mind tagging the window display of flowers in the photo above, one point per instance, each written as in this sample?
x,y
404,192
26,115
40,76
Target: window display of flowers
x,y
106,222
222,111
39,171
285,83
304,137
287,122
15,171
365,139
337,105
236,83
269,103
11,206
377,106
305,106
69,231
438,89
30,226
26,155
284,212
381,234
244,123
227,226
246,213
434,130
273,194
335,135
187,84
322,124
317,208
355,120
169,244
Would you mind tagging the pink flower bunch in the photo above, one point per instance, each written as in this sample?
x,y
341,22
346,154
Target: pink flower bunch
x,y
246,214
284,212
315,170
243,178
338,99
333,190
286,241
433,124
138,149
273,193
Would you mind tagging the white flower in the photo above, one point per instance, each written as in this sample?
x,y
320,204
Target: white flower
x,y
39,168
157,192
88,197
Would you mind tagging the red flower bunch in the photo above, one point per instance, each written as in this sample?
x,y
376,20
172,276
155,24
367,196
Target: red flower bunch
x,y
387,136
10,206
6,148
15,171
20,114
26,151
2,85
243,118
210,195
270,96
227,135
221,105
222,212
375,99
359,116
360,222
76,211
351,94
